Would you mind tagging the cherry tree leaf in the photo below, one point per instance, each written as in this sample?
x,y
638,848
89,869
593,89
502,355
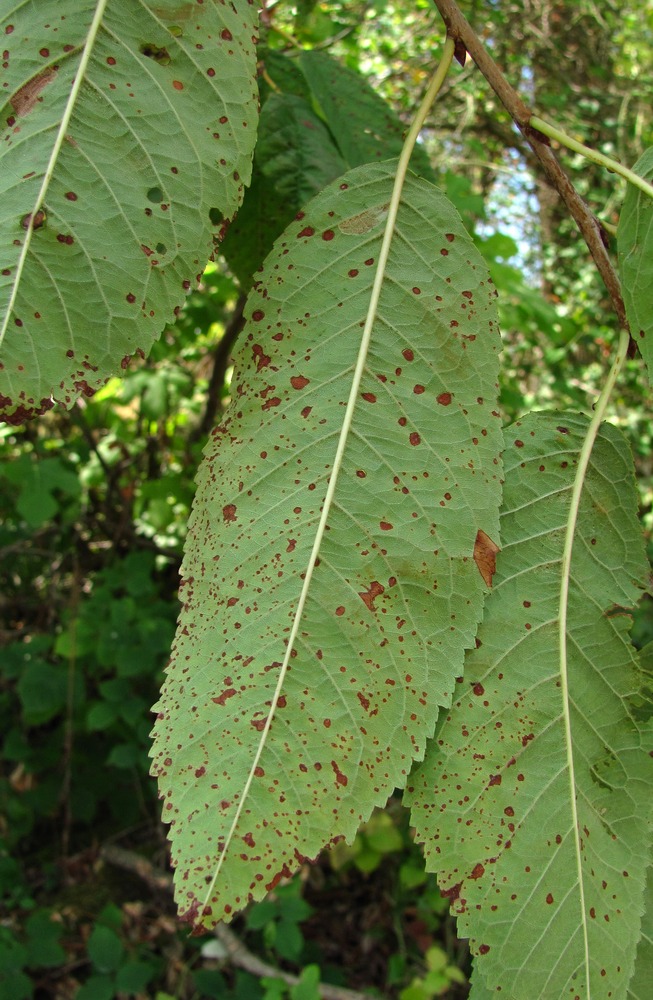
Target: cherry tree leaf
x,y
540,841
130,125
261,766
635,255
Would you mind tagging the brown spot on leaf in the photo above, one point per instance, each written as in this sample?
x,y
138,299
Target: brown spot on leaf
x,y
341,778
36,221
229,512
227,693
26,96
485,556
355,225
368,596
453,893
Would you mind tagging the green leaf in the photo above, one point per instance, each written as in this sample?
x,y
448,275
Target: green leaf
x,y
209,983
128,124
275,989
43,936
40,482
395,596
284,73
364,126
635,254
105,949
97,988
548,884
295,158
133,977
42,689
308,987
101,715
295,152
125,755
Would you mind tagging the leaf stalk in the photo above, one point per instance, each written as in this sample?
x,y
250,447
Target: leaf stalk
x,y
591,154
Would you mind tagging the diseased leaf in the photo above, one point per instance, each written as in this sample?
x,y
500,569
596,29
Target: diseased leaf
x,y
552,907
485,556
641,985
635,250
364,126
97,257
396,594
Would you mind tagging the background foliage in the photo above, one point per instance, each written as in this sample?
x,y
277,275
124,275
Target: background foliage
x,y
95,501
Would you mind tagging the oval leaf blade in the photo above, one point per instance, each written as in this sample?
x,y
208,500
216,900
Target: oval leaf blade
x,y
396,593
105,222
551,910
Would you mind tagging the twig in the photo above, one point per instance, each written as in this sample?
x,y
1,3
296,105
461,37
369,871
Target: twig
x,y
464,35
244,959
220,365
592,154
237,953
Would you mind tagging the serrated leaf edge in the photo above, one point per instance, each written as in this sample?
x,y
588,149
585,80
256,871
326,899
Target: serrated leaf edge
x,y
379,277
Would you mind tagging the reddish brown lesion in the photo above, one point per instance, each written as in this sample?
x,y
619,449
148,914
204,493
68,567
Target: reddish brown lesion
x,y
368,596
485,556
25,98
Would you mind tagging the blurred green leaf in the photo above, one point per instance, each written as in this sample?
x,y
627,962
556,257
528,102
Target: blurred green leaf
x,y
105,949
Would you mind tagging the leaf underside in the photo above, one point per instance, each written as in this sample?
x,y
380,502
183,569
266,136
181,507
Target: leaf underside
x,y
161,133
492,800
396,594
635,255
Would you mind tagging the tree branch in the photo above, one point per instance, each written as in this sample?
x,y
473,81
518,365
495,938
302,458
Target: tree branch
x,y
464,35
238,954
220,365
